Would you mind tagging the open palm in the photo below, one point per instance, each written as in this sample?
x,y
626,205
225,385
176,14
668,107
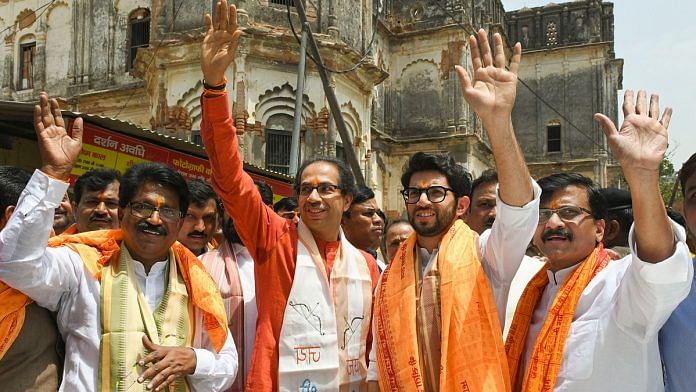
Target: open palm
x,y
220,43
641,142
58,148
492,92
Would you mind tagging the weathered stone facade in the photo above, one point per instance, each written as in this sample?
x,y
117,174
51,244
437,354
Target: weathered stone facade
x,y
403,98
569,62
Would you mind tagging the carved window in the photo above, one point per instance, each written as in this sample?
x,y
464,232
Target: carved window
x,y
291,3
27,53
551,34
138,34
553,138
278,141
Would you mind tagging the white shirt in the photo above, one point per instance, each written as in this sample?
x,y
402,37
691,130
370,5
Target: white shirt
x,y
502,248
612,343
246,275
529,267
57,279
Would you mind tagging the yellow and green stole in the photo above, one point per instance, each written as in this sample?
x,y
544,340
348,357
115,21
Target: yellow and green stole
x,y
126,317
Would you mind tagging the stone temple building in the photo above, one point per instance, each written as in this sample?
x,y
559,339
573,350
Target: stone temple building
x,y
391,64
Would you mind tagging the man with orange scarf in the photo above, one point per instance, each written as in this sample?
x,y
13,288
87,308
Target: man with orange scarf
x,y
585,322
441,302
30,344
313,288
126,299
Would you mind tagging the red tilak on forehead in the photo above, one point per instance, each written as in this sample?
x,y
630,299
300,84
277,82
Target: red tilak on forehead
x,y
101,196
423,184
554,205
315,181
159,201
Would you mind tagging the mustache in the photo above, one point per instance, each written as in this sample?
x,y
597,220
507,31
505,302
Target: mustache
x,y
142,226
100,217
557,233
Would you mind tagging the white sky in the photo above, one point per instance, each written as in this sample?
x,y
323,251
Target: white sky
x,y
657,41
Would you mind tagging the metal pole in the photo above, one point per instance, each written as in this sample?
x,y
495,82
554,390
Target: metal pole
x,y
295,144
331,98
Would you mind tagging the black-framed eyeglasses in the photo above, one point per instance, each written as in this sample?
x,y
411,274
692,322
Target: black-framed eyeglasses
x,y
144,210
323,188
566,213
435,194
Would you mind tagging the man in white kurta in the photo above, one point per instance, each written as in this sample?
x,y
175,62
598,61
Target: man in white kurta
x,y
59,280
586,322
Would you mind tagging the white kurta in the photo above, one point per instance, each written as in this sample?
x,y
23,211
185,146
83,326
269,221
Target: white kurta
x,y
57,279
246,275
612,343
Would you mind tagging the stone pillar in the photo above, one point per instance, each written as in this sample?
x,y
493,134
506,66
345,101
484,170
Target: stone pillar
x,y
333,20
8,68
40,62
242,13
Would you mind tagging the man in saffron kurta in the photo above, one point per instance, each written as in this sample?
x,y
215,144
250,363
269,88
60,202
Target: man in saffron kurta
x,y
429,337
314,289
586,322
126,299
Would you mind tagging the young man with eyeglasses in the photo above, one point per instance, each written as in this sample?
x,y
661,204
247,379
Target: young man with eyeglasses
x,y
586,322
315,304
126,299
441,302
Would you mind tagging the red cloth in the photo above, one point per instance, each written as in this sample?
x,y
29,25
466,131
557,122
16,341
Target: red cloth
x,y
270,239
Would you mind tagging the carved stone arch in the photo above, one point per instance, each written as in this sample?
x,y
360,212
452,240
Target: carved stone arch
x,y
50,9
418,63
27,38
25,19
281,99
57,46
421,99
352,120
190,100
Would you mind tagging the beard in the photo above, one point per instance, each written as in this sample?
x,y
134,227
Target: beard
x,y
443,220
230,232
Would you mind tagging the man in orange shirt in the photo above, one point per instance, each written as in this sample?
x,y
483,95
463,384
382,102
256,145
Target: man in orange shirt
x,y
312,332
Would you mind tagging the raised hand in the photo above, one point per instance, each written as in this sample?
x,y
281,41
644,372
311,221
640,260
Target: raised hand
x,y
168,364
220,43
58,148
492,92
640,144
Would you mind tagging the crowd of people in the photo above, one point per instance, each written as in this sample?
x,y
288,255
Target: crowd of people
x,y
145,281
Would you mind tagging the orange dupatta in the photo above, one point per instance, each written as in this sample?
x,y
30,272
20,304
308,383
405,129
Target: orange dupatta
x,y
472,352
12,312
96,248
547,355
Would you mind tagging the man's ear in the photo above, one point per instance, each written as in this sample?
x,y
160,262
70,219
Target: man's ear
x,y
611,230
600,226
347,200
6,216
463,206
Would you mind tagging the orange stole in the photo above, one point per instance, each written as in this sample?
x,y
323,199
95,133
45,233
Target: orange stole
x,y
12,313
473,356
547,355
96,248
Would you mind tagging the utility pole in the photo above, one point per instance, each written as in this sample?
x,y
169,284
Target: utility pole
x,y
295,144
331,98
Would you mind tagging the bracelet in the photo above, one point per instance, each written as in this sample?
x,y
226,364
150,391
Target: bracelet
x,y
220,87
